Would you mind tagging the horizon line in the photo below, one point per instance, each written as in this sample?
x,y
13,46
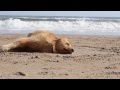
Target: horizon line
x,y
59,16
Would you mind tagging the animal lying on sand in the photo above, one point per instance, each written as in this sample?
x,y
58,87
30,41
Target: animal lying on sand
x,y
40,41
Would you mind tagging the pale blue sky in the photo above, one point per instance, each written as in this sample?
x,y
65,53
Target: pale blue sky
x,y
63,13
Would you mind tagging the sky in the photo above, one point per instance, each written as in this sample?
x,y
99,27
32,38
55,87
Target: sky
x,y
63,13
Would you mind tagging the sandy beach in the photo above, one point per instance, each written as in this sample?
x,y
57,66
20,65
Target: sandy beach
x,y
95,57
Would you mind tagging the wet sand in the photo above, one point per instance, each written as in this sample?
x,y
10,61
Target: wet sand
x,y
95,57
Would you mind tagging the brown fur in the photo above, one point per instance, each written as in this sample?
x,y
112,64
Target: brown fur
x,y
40,41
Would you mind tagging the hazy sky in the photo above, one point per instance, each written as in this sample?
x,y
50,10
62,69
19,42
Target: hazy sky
x,y
63,13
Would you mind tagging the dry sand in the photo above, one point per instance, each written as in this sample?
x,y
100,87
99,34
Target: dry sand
x,y
95,57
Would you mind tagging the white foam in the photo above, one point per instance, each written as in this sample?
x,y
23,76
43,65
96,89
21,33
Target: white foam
x,y
81,25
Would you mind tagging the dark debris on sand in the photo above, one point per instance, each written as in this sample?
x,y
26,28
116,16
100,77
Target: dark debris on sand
x,y
20,74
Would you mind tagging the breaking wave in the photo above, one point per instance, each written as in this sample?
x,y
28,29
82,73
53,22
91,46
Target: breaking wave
x,y
74,25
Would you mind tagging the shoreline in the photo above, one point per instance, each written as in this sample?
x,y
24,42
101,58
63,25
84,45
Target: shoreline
x,y
78,35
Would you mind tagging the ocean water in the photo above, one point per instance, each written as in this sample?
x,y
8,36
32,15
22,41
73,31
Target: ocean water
x,y
60,25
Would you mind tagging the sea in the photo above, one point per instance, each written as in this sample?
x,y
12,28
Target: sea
x,y
60,25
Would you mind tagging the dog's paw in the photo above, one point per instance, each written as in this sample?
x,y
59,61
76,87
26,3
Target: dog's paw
x,y
4,48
